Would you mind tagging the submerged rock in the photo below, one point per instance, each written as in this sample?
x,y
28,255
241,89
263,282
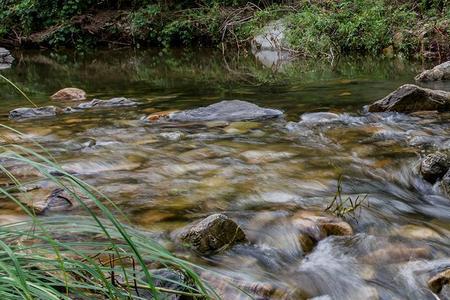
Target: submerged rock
x,y
410,98
229,110
434,166
437,282
262,157
212,234
314,228
440,72
241,127
159,115
29,113
396,253
73,94
114,102
58,200
172,136
170,279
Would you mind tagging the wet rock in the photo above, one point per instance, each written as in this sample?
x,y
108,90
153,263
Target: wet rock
x,y
212,234
30,113
165,278
396,253
58,200
434,166
440,72
73,94
80,143
6,59
230,110
114,102
306,242
261,157
159,115
241,127
172,136
236,289
335,227
318,117
415,232
439,280
313,228
411,98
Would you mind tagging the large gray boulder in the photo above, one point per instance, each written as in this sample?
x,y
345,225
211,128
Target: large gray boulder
x,y
230,110
31,113
440,72
212,234
411,98
6,59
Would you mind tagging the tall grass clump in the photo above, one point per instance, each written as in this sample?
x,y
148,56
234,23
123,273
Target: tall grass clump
x,y
82,257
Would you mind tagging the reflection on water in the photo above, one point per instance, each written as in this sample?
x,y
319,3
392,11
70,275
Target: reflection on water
x,y
266,175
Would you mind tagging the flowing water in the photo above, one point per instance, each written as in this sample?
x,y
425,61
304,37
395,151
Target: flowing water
x,y
265,175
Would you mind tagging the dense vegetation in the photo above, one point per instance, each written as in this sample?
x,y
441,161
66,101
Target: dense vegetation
x,y
314,27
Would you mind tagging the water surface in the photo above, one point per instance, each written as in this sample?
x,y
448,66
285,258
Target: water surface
x,y
266,175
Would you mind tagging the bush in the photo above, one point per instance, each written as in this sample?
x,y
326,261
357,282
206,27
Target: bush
x,y
346,26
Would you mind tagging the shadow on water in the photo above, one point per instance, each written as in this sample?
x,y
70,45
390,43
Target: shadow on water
x,y
273,177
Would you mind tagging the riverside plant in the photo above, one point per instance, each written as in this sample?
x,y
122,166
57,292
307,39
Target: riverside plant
x,y
346,207
55,257
79,257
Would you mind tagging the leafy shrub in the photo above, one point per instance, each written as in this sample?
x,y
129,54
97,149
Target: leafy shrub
x,y
346,26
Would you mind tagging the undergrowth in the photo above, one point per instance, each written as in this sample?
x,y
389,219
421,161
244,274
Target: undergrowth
x,y
314,28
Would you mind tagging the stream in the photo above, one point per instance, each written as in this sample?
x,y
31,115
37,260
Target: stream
x,y
264,174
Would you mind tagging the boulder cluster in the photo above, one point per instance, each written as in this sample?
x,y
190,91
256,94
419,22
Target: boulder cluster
x,y
411,98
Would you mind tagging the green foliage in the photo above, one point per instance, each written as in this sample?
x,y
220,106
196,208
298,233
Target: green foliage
x,y
346,207
347,26
314,27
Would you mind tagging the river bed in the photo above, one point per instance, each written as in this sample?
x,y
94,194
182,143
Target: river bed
x,y
263,174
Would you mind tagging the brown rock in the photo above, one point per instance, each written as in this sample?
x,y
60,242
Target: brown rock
x,y
73,94
40,202
434,166
212,234
439,280
159,115
336,228
410,98
313,228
